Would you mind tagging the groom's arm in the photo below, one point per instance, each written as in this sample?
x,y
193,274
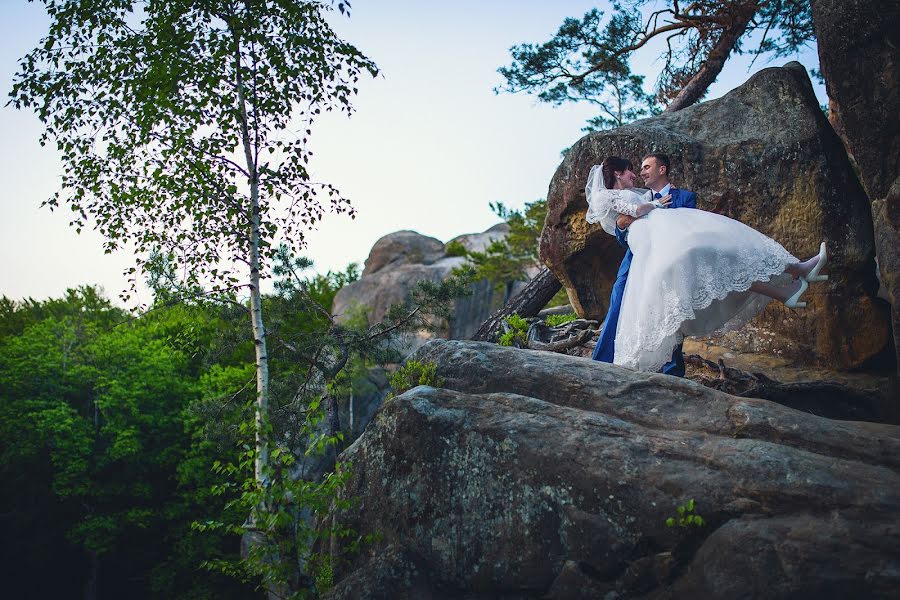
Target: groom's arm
x,y
690,200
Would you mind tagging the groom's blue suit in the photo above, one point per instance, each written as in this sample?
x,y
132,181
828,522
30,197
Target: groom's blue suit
x,y
606,348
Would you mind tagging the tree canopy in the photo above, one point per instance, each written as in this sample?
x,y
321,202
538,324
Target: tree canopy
x,y
587,60
103,458
183,126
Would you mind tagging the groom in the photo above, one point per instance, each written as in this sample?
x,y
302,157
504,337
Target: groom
x,y
655,173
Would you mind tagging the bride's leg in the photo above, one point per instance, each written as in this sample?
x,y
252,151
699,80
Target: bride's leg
x,y
777,292
809,268
802,268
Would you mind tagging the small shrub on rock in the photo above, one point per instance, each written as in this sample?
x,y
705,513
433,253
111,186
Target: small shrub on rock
x,y
557,320
455,248
516,333
686,517
414,373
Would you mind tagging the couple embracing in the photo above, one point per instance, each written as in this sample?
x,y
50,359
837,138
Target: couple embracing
x,y
686,272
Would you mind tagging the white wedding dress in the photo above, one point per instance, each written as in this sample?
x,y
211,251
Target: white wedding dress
x,y
690,275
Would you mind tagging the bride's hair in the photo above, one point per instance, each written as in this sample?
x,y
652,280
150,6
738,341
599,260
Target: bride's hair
x,y
609,168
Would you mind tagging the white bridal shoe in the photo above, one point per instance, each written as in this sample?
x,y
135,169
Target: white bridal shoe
x,y
793,301
813,274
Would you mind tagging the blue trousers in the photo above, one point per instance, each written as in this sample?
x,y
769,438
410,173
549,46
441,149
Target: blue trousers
x,y
605,349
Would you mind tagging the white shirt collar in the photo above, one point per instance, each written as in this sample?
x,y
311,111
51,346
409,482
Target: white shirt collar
x,y
665,189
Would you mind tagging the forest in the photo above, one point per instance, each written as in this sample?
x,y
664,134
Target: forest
x,y
111,425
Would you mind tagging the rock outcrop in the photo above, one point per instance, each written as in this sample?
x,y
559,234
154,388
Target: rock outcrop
x,y
479,242
539,475
763,154
399,260
403,248
859,54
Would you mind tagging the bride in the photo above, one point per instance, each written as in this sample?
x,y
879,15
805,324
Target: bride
x,y
693,273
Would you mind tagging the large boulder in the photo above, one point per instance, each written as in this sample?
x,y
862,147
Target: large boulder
x,y
539,475
766,155
402,248
859,54
400,260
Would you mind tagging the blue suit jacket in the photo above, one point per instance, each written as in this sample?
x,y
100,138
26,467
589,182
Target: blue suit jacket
x,y
605,349
680,199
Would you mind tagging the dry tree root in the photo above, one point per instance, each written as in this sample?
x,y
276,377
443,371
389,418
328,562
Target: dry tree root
x,y
564,344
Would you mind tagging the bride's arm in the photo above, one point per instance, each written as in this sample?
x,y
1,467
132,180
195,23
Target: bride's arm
x,y
629,207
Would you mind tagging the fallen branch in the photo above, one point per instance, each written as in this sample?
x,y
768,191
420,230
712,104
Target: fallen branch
x,y
562,345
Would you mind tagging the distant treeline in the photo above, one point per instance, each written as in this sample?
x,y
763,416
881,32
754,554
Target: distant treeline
x,y
110,425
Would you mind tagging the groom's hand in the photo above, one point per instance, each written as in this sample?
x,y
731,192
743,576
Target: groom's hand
x,y
623,221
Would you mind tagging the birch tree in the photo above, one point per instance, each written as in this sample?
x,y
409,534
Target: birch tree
x,y
183,127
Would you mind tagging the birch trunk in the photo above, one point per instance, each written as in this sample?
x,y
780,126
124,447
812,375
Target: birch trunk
x,y
259,340
90,587
259,330
352,417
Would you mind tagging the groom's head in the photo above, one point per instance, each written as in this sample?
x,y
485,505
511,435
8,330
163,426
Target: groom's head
x,y
655,171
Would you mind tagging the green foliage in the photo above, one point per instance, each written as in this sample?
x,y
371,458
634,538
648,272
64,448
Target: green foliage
x,y
413,373
324,574
163,112
455,248
559,299
613,89
587,60
686,517
319,289
516,333
78,305
285,528
509,259
556,320
101,451
111,423
506,260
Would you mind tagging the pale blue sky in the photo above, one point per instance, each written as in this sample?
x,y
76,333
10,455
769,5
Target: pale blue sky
x,y
428,148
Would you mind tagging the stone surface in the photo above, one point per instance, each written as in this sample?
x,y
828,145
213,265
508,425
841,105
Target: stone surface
x,y
859,55
785,371
763,154
540,475
398,261
403,247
